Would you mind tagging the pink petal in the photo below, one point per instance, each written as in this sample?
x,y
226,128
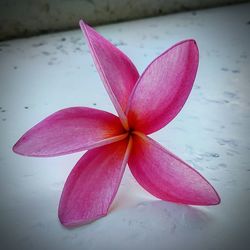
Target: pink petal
x,y
117,72
93,183
70,130
166,176
163,88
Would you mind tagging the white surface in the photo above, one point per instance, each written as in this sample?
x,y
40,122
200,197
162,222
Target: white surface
x,y
44,74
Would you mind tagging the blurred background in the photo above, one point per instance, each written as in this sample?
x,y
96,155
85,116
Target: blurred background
x,y
31,17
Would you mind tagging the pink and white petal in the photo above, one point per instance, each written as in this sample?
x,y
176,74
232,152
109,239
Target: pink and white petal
x,y
70,130
163,88
166,176
93,184
116,70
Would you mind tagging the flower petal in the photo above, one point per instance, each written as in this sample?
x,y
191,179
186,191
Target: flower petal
x,y
70,130
117,72
163,88
93,183
166,176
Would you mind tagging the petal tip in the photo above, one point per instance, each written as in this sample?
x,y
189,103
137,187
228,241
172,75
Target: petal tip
x,y
70,222
16,148
20,149
216,200
64,220
82,23
195,46
194,43
213,199
190,41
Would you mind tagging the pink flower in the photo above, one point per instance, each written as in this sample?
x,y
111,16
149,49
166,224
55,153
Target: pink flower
x,y
144,104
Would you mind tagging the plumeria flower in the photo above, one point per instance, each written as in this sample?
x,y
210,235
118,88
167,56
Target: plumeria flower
x,y
144,104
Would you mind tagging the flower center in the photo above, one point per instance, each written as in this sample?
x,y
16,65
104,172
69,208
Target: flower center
x,y
130,131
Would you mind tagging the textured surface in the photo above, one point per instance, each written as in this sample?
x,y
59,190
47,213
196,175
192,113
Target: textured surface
x,y
28,17
44,74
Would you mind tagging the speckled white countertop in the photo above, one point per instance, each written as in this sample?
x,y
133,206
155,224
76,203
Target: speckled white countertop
x,y
41,75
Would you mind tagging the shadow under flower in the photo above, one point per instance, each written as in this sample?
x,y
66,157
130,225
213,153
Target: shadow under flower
x,y
151,224
166,216
136,220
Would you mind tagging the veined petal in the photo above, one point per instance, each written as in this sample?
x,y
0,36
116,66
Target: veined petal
x,y
166,176
163,88
70,130
93,183
117,72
